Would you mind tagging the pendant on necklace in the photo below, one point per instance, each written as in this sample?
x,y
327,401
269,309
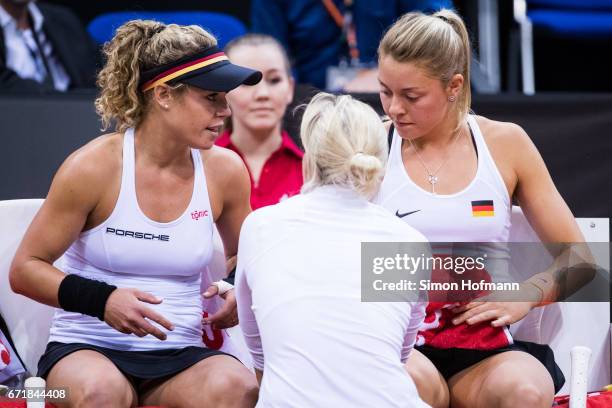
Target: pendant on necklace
x,y
432,180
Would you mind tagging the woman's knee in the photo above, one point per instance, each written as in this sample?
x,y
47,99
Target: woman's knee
x,y
429,382
104,391
231,387
526,395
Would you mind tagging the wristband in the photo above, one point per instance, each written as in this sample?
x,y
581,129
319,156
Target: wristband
x,y
223,286
82,295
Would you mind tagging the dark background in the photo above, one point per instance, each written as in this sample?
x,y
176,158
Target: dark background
x,y
561,64
569,118
571,131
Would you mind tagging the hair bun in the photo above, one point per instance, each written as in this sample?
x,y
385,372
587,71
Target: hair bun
x,y
366,171
345,144
365,162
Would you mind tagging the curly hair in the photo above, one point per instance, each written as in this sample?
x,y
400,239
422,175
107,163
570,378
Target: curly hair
x,y
139,45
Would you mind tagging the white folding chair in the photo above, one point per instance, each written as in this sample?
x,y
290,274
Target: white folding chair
x,y
565,325
28,321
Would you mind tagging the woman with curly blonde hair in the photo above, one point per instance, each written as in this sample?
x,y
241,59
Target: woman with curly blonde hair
x,y
133,211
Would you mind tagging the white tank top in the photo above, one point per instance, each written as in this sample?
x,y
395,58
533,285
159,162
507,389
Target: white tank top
x,y
459,217
129,250
478,213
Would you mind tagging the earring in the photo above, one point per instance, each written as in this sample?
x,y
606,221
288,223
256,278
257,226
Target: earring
x,y
166,106
452,98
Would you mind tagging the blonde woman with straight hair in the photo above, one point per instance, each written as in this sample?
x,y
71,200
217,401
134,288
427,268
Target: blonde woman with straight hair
x,y
313,342
133,211
453,176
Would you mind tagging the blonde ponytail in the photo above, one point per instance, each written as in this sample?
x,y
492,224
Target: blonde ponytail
x,y
438,43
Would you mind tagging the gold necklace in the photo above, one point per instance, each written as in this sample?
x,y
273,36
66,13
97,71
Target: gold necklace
x,y
432,177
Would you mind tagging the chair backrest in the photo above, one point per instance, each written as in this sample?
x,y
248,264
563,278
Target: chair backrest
x,y
223,26
566,324
28,321
572,4
589,19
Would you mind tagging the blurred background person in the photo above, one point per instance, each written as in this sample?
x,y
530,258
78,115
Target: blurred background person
x,y
332,43
44,47
255,130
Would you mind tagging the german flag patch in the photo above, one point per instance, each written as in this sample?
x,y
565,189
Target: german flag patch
x,y
483,208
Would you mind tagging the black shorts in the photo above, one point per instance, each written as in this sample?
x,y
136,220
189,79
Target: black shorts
x,y
138,366
450,361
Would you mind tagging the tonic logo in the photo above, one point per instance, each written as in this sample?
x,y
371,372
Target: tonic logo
x,y
137,235
196,215
216,342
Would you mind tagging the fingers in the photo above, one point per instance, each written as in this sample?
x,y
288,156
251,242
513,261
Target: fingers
x,y
466,306
148,328
129,316
501,321
140,327
225,323
499,313
138,331
225,317
473,311
156,317
221,314
211,291
147,297
483,317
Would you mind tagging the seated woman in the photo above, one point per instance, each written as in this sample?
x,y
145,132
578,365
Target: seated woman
x,y
314,342
134,212
255,129
453,176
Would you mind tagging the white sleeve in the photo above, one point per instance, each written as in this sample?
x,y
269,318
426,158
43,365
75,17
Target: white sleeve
x,y
248,324
416,318
417,309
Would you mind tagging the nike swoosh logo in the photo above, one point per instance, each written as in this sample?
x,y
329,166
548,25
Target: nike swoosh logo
x,y
397,213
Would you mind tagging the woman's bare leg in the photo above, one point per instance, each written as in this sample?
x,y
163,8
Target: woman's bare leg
x,y
509,379
428,380
92,380
218,381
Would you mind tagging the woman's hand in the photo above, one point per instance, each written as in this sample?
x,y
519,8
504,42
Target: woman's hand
x,y
492,307
501,313
126,312
227,315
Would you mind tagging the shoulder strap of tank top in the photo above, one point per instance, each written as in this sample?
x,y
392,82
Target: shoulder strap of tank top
x,y
201,195
128,185
390,137
473,139
485,159
199,179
